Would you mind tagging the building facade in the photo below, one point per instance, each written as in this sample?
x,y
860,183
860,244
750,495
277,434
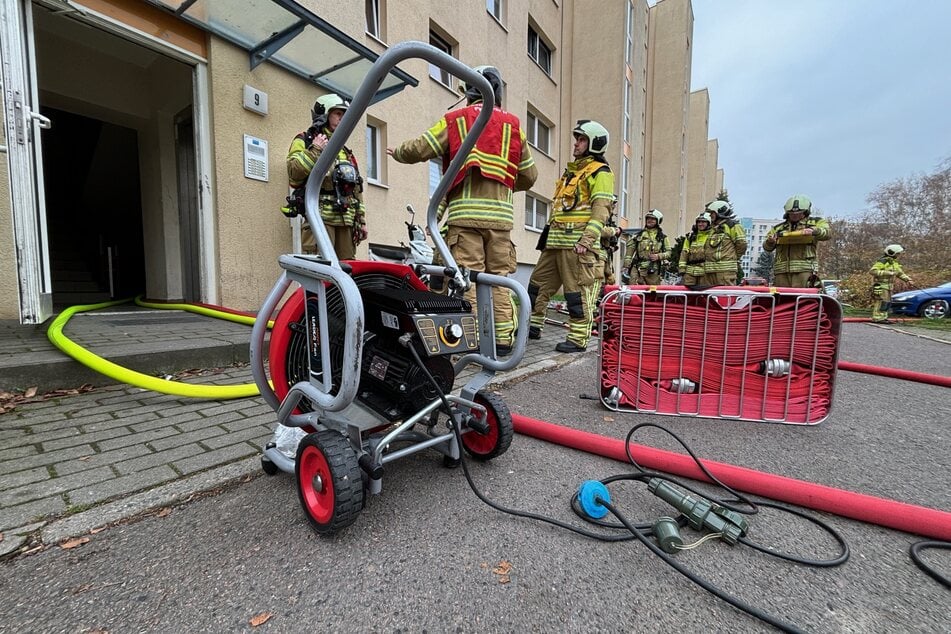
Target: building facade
x,y
146,139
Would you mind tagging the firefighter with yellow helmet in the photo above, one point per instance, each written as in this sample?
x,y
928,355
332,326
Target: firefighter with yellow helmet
x,y
884,272
646,252
724,247
795,242
341,193
692,255
571,251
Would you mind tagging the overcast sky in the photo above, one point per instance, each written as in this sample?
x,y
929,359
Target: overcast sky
x,y
829,98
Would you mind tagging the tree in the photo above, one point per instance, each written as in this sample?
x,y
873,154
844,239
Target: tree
x,y
914,212
764,265
674,265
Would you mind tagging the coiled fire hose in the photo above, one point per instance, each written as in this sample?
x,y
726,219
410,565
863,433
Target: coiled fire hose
x,y
677,341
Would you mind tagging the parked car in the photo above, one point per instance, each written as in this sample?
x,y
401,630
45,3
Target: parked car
x,y
753,281
931,303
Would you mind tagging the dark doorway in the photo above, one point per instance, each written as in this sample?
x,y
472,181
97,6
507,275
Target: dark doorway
x,y
93,209
188,206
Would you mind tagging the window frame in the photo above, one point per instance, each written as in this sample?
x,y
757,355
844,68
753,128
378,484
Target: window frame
x,y
499,6
535,43
535,201
533,121
375,143
442,43
373,7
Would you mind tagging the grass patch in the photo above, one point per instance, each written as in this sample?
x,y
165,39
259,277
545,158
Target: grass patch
x,y
943,325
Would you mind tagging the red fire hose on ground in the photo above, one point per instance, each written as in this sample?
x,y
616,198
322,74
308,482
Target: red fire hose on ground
x,y
883,512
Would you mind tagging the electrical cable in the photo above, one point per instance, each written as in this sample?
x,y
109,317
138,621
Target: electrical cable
x,y
880,511
125,375
915,552
638,532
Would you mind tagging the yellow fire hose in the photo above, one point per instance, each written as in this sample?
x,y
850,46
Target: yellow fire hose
x,y
138,379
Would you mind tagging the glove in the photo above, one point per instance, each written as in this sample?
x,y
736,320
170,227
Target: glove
x,y
625,277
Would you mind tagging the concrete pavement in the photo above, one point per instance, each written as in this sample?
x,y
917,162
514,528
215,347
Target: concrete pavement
x,y
83,457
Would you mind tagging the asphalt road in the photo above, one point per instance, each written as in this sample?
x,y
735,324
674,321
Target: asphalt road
x,y
427,555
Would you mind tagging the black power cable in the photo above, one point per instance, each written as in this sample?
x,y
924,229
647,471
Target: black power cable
x,y
915,551
640,532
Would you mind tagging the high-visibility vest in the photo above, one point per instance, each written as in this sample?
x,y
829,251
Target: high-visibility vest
x,y
498,150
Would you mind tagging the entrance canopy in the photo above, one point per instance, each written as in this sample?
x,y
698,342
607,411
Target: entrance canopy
x,y
287,34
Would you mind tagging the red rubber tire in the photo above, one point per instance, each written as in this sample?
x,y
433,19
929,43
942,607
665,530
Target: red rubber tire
x,y
496,441
329,482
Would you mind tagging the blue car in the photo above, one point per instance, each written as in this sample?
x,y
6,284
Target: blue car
x,y
927,302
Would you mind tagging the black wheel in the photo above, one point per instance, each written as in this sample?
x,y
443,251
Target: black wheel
x,y
267,466
497,439
934,309
329,481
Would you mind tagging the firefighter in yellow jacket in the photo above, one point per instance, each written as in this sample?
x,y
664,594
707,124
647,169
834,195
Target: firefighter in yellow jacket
x,y
341,193
646,252
724,247
479,205
571,257
693,252
884,271
795,242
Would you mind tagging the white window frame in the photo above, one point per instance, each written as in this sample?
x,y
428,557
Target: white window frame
x,y
374,141
373,15
534,122
495,8
537,43
532,204
435,174
442,43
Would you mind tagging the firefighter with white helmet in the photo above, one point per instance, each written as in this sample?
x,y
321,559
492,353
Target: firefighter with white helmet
x,y
884,272
646,252
693,253
795,242
341,192
724,247
571,247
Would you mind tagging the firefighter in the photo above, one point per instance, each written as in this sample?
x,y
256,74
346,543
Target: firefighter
x,y
479,204
884,271
609,246
648,249
693,252
795,243
724,247
571,251
341,193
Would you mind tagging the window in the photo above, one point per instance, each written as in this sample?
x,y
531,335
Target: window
x,y
536,213
374,27
627,110
629,33
537,132
539,51
374,159
435,72
494,7
435,173
623,202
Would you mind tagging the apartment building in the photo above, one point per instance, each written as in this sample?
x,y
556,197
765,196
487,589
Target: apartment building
x,y
144,141
755,234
